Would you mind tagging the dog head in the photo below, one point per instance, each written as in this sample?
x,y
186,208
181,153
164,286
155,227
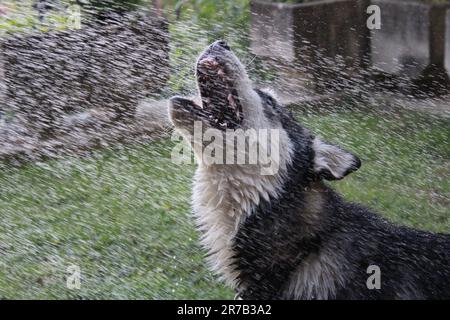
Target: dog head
x,y
225,92
227,101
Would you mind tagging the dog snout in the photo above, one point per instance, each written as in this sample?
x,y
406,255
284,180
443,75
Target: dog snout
x,y
220,44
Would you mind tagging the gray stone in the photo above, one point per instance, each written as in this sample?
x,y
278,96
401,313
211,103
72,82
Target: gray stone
x,y
401,46
320,42
326,46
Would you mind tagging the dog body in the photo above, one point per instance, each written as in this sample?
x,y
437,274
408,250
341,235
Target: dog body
x,y
287,235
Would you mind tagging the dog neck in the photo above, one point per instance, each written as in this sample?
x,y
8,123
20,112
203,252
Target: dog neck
x,y
223,197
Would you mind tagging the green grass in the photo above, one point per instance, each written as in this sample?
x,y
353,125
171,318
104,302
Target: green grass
x,y
122,215
22,17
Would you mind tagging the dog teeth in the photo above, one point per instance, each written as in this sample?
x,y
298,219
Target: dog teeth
x,y
231,101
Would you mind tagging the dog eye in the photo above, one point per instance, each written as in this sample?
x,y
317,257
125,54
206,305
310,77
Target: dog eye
x,y
270,101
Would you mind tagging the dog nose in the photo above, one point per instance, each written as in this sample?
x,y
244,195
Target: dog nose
x,y
222,44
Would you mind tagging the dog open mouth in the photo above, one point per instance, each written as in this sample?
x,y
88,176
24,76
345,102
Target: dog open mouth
x,y
221,103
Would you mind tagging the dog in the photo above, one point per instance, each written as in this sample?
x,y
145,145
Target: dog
x,y
288,235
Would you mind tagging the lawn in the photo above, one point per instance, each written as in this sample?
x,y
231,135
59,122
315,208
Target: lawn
x,y
122,215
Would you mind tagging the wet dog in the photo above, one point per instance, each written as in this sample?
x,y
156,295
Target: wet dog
x,y
287,235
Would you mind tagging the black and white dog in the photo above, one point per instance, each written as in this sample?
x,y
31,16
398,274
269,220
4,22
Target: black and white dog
x,y
287,235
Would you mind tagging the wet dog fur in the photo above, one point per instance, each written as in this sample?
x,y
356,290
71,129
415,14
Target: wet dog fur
x,y
289,235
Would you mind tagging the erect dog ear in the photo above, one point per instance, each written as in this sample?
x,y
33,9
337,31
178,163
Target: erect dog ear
x,y
331,162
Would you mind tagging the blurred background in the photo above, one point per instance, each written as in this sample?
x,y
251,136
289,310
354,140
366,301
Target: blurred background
x,y
86,177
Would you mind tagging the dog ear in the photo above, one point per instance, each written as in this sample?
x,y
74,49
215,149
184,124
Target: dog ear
x,y
331,162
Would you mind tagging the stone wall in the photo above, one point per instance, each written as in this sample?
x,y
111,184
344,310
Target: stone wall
x,y
412,43
401,46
